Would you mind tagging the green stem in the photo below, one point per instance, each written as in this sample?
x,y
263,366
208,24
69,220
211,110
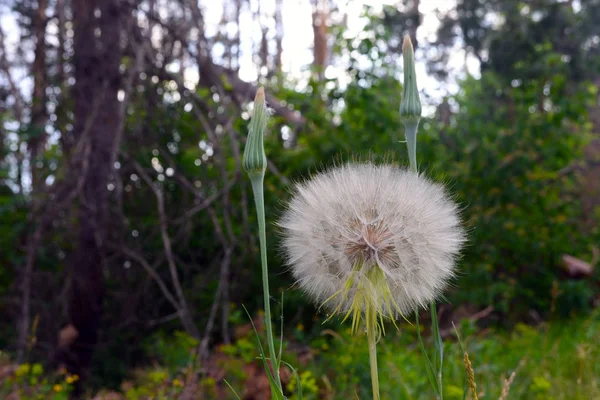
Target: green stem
x,y
410,131
371,320
439,349
259,199
410,128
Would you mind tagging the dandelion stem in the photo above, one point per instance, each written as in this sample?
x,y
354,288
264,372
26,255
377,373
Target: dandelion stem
x,y
371,320
257,180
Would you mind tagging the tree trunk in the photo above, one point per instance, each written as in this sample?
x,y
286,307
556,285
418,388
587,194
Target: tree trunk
x,y
415,18
320,18
39,116
263,50
238,35
278,34
97,54
37,139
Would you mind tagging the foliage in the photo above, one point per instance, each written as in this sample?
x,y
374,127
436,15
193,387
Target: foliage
x,y
506,151
554,361
507,146
507,157
548,362
173,352
154,383
31,382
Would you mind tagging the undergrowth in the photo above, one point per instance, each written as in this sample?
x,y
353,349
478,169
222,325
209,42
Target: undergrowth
x,y
554,361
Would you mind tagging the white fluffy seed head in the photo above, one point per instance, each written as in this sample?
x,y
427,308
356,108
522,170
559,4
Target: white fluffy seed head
x,y
343,224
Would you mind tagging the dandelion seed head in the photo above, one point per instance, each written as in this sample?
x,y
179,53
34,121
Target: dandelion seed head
x,y
380,234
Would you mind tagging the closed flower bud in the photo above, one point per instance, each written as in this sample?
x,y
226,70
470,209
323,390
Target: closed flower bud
x,y
410,106
254,161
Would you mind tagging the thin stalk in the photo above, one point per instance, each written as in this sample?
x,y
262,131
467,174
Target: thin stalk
x,y
439,350
371,320
410,111
429,366
410,130
410,127
259,199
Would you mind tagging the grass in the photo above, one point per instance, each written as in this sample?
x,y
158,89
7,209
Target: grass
x,y
557,360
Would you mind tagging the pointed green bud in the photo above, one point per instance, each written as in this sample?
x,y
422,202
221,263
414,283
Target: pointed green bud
x,y
254,161
410,106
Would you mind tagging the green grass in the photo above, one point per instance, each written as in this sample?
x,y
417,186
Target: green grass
x,y
558,360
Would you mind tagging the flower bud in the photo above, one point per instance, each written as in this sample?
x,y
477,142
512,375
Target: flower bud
x,y
255,160
410,106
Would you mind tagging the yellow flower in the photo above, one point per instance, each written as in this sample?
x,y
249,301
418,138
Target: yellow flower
x,y
177,382
22,369
57,388
37,369
71,379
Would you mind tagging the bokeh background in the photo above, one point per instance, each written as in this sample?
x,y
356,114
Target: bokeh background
x,y
128,237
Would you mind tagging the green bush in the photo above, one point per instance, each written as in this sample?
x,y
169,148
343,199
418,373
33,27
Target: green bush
x,y
507,152
31,382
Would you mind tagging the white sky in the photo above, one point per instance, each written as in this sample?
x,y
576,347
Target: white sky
x,y
298,40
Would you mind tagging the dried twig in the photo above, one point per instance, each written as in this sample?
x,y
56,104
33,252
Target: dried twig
x,y
186,317
14,89
203,348
507,383
137,257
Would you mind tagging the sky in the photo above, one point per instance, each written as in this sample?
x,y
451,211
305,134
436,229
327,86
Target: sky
x,y
298,40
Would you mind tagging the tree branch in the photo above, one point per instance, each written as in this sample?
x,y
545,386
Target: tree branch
x,y
160,205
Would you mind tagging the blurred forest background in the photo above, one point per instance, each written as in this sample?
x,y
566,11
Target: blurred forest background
x,y
127,227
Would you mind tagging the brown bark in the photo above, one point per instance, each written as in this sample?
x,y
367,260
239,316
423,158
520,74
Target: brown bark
x,y
263,50
278,34
6,69
237,41
96,60
319,23
37,139
62,35
415,20
590,183
39,115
